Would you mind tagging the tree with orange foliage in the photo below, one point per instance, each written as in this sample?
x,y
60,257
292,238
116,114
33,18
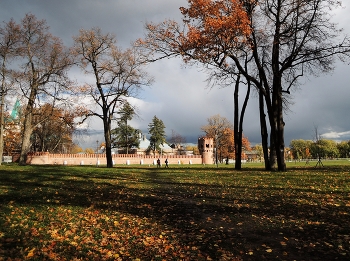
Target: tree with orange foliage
x,y
12,136
221,28
53,129
271,43
227,148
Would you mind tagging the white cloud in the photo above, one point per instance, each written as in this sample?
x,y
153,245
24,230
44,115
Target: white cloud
x,y
336,135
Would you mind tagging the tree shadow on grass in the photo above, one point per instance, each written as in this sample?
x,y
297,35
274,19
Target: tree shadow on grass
x,y
245,222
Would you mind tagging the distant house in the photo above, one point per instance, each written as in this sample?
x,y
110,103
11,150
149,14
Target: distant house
x,y
252,156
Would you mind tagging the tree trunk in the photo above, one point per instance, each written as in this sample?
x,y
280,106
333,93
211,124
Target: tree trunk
x,y
126,137
244,107
2,108
27,126
280,134
2,122
277,125
108,140
263,131
216,151
27,131
236,135
277,130
273,137
238,123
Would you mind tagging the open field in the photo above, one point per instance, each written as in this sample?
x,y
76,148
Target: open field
x,y
180,213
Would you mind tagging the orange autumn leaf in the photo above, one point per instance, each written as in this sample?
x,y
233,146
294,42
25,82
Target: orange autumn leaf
x,y
31,253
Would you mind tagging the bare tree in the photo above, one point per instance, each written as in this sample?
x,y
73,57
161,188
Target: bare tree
x,y
117,74
317,145
176,140
42,71
54,128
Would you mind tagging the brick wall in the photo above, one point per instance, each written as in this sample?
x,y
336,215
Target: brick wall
x,y
41,158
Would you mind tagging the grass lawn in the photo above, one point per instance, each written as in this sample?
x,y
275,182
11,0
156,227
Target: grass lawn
x,y
180,213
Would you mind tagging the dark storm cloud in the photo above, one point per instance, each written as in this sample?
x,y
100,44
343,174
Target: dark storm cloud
x,y
179,95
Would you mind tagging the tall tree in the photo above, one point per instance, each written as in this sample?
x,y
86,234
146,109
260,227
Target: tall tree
x,y
157,131
124,136
287,39
117,74
9,38
127,136
43,65
238,122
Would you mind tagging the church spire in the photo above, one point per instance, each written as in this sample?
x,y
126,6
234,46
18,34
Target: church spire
x,y
15,110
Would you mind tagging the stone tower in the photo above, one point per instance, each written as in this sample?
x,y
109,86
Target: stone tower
x,y
206,149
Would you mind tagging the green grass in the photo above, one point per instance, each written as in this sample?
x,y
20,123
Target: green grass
x,y
181,213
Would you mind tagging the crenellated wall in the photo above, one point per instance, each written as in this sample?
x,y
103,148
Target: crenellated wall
x,y
41,158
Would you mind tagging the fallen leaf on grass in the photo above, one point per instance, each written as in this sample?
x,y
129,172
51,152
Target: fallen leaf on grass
x,y
31,253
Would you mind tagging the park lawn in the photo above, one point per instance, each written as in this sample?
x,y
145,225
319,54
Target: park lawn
x,y
180,213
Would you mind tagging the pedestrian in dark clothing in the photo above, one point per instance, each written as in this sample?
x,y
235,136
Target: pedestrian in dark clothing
x,y
158,163
166,163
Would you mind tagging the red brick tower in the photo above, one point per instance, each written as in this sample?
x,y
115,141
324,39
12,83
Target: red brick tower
x,y
206,149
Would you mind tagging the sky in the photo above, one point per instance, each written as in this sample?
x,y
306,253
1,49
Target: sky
x,y
180,96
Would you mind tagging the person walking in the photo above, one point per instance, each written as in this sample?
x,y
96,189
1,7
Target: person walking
x,y
166,163
158,163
